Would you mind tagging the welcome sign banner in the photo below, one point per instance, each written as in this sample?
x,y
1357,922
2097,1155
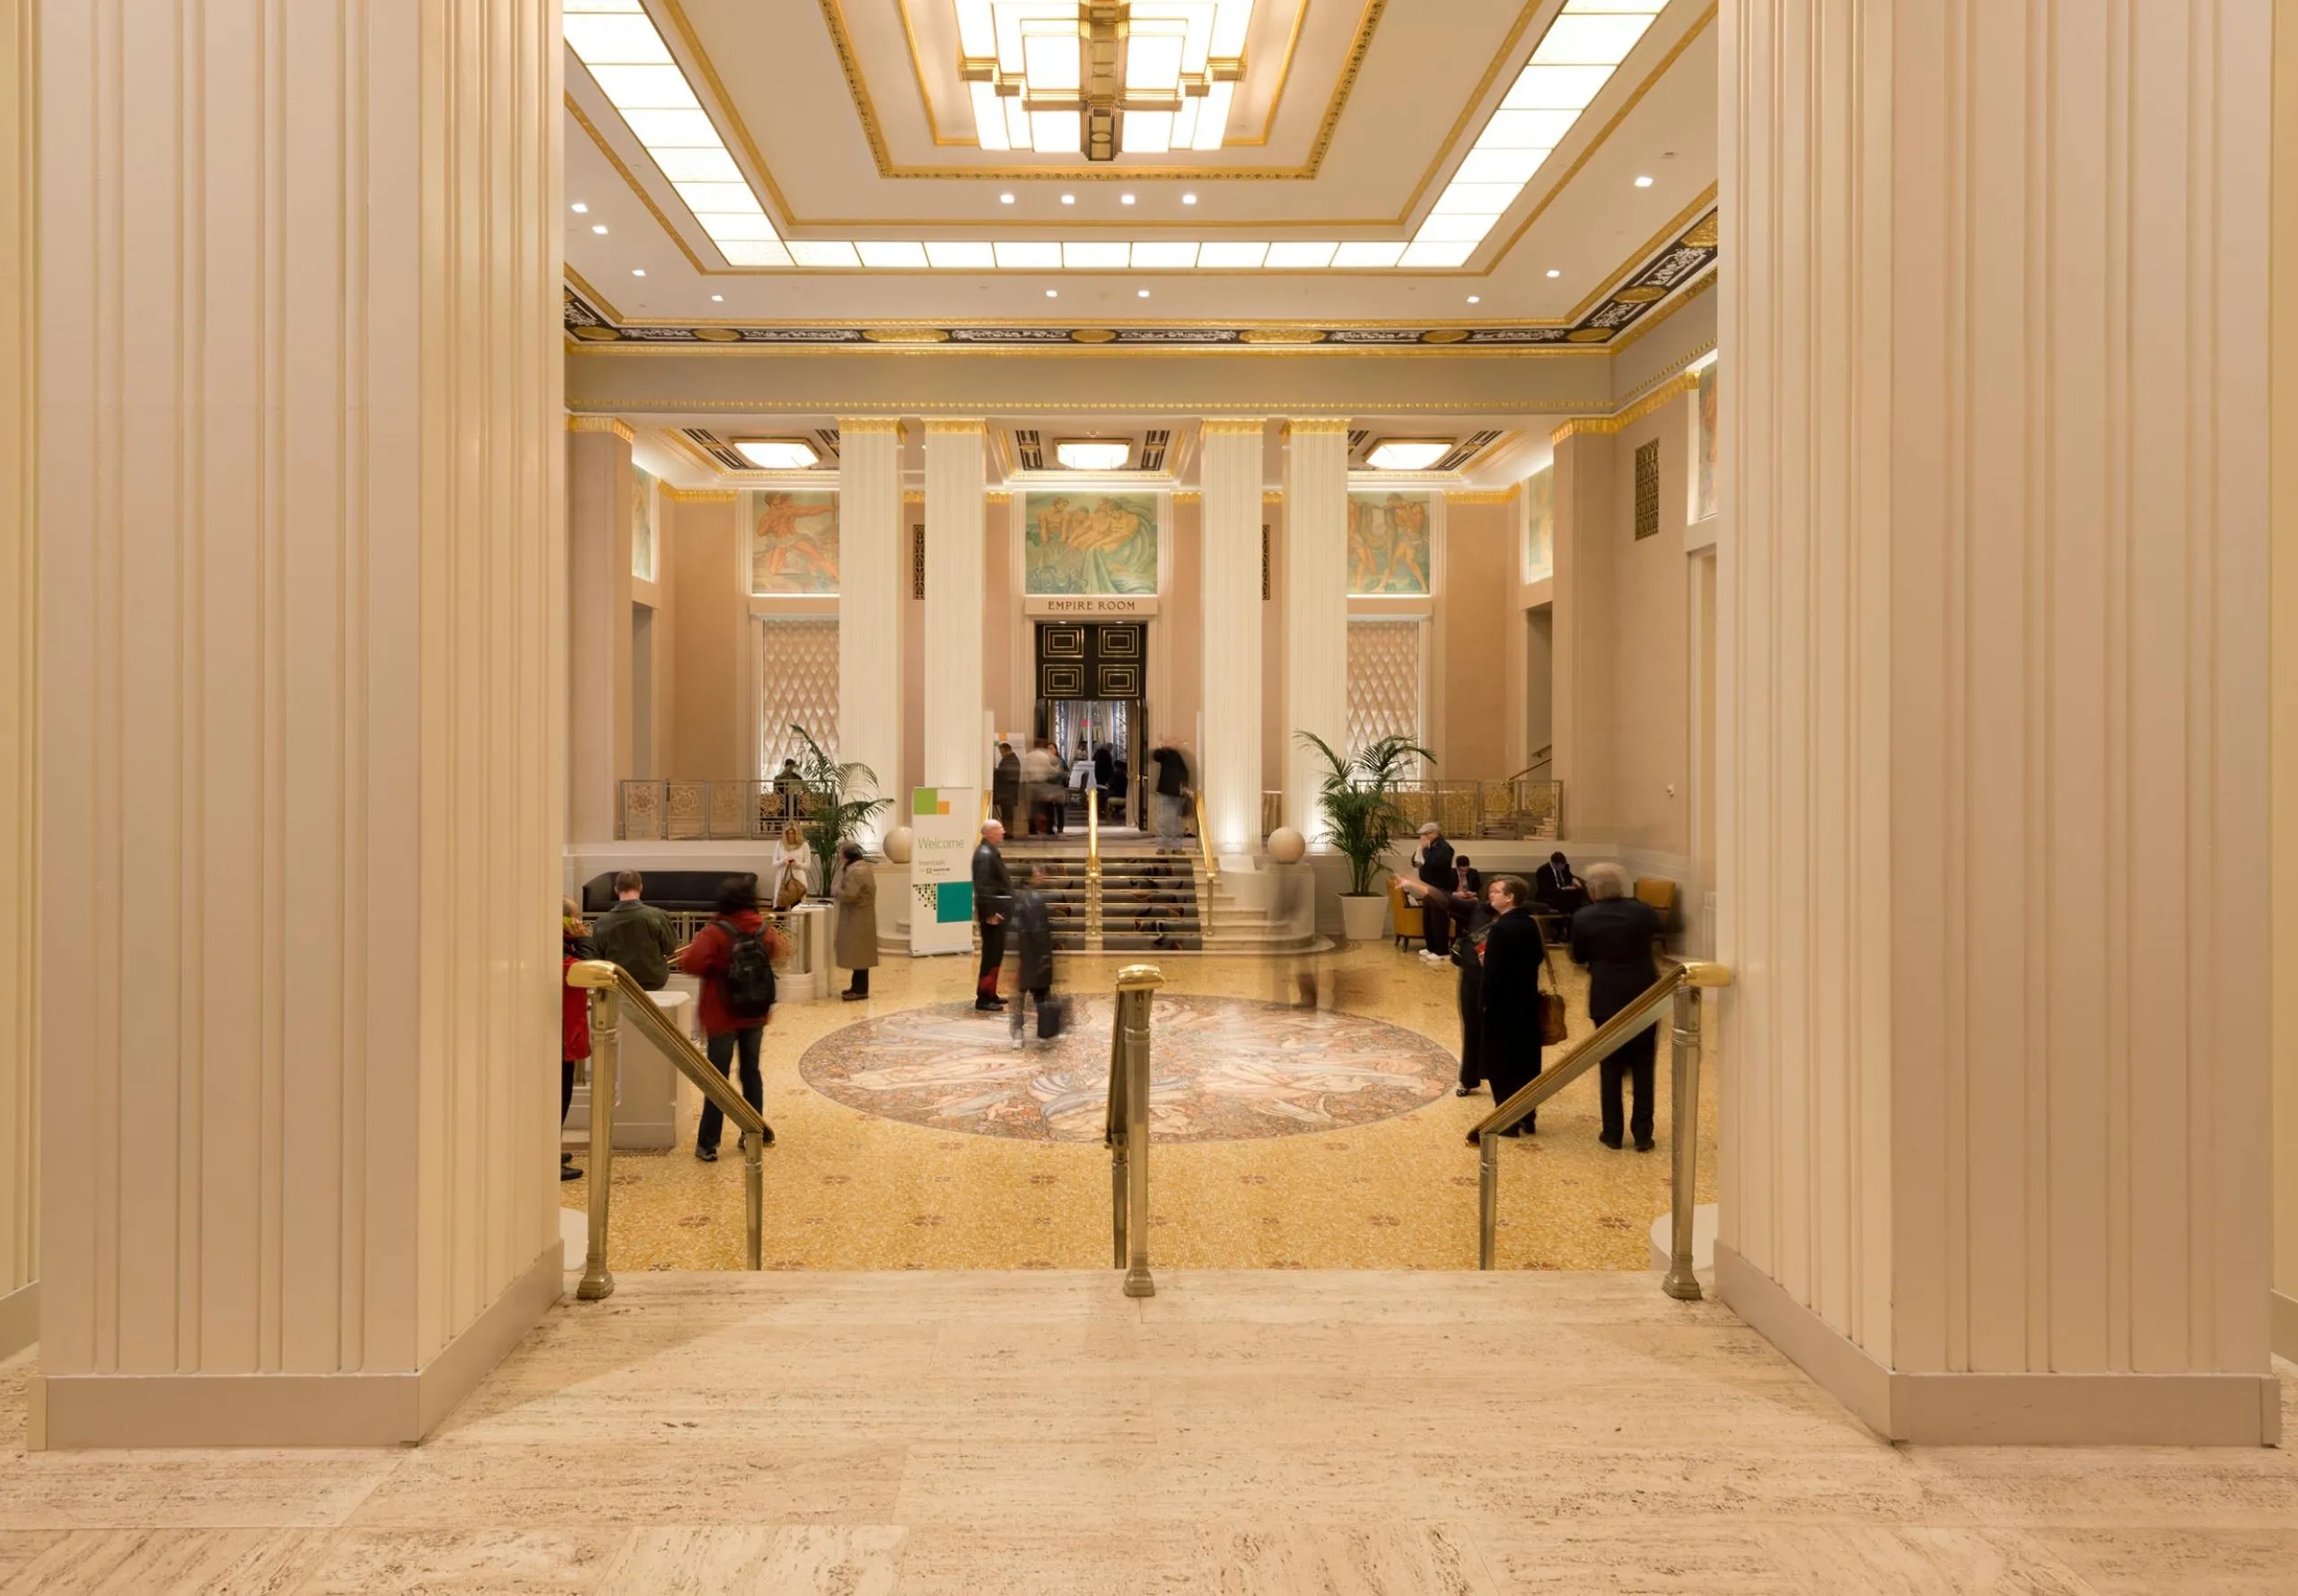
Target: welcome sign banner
x,y
943,826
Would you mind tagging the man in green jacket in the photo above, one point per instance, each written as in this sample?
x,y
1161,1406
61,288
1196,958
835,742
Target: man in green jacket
x,y
636,935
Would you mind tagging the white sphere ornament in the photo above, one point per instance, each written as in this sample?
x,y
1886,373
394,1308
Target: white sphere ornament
x,y
898,845
1286,846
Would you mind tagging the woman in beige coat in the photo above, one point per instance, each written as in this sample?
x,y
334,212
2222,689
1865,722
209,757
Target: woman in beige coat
x,y
856,892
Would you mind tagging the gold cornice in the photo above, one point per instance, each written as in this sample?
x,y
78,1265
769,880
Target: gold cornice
x,y
910,495
1683,383
997,497
655,403
1188,496
864,425
1676,301
602,424
1229,427
699,496
1635,263
1272,495
627,349
1479,495
637,187
953,429
582,286
1307,427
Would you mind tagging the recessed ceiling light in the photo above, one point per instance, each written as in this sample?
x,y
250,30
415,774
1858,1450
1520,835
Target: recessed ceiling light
x,y
717,298
1093,455
1475,299
1069,199
1554,273
1408,454
638,271
597,227
1053,293
579,209
1644,182
1124,199
1188,200
1005,199
1140,294
778,454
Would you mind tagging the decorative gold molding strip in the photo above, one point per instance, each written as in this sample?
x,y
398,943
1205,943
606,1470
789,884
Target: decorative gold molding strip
x,y
997,497
1306,427
699,496
1698,287
911,495
951,428
871,425
1480,495
1683,383
638,187
1188,496
1230,426
602,424
1272,495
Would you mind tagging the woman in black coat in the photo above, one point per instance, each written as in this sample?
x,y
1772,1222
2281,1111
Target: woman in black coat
x,y
1513,951
1613,937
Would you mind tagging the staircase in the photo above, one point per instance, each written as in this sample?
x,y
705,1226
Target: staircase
x,y
1150,901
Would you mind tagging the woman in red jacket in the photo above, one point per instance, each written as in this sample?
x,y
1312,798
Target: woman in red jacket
x,y
728,1026
574,1018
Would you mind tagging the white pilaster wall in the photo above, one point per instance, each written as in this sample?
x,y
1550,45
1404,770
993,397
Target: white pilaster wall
x,y
1227,767
873,570
302,633
956,752
1316,609
1992,817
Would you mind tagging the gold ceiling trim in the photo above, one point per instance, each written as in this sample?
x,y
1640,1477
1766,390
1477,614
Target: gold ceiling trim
x,y
582,287
876,425
655,404
677,14
699,496
834,14
865,109
1479,495
911,495
1312,426
1668,234
637,187
1700,26
995,496
1115,351
955,427
1230,426
1691,290
1188,496
602,424
1681,382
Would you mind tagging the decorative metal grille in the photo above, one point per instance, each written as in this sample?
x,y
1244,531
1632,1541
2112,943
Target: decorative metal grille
x,y
1264,562
917,562
798,687
1647,488
1384,682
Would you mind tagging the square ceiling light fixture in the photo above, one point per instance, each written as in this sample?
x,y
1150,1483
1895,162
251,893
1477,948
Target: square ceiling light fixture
x,y
1408,454
617,43
1093,455
1102,78
1574,60
778,454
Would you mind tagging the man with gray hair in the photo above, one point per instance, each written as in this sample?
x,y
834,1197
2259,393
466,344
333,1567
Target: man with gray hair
x,y
1613,936
992,901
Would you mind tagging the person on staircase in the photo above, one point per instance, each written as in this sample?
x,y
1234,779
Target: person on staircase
x,y
1171,786
734,957
1033,924
856,892
1005,784
992,901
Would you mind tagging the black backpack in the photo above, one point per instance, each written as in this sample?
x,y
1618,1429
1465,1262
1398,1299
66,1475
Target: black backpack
x,y
749,972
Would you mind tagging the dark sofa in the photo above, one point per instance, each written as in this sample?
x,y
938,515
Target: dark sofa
x,y
693,891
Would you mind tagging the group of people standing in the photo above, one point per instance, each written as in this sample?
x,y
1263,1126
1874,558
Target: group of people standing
x,y
1502,952
1037,784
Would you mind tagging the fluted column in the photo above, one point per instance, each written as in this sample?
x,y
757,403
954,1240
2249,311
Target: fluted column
x,y
1992,655
598,623
303,691
1228,766
954,755
19,704
1316,608
869,603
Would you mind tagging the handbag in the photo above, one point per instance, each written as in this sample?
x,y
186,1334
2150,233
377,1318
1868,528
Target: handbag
x,y
1553,1028
1053,1017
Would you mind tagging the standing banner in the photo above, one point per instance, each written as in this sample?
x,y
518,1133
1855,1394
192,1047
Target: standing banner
x,y
944,825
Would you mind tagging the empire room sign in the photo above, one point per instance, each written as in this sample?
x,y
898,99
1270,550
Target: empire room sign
x,y
1112,605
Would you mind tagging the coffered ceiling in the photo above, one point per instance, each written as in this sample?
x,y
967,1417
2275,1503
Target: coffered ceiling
x,y
1354,134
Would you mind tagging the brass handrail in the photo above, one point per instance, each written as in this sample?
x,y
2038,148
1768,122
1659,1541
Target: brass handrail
x,y
1680,986
1205,839
1125,1131
1093,868
613,992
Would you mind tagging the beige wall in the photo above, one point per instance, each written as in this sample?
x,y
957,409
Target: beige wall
x,y
302,639
1993,656
713,651
1475,610
19,700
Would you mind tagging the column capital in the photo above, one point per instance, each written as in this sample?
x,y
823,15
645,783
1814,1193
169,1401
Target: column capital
x,y
947,427
866,425
1316,426
602,424
1232,426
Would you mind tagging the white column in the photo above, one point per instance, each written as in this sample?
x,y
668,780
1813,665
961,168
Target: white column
x,y
598,623
1991,832
954,756
1228,766
1316,608
302,684
872,557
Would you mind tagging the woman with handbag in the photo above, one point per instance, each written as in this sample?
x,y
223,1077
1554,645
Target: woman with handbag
x,y
794,868
1613,936
1514,1003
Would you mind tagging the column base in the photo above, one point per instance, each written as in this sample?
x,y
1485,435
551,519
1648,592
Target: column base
x,y
70,1411
19,1319
2015,1409
2282,1323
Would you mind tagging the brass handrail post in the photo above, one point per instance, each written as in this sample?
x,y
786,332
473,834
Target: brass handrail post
x,y
1683,1133
1487,1200
1137,985
605,1043
754,1198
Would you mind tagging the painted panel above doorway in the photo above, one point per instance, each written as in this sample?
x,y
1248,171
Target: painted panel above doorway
x,y
1089,543
794,542
1388,543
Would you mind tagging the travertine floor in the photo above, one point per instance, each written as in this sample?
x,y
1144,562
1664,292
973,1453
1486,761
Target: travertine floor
x,y
1252,1432
855,1190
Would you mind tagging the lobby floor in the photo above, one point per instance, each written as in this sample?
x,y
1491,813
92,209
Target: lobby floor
x,y
1250,1431
955,1167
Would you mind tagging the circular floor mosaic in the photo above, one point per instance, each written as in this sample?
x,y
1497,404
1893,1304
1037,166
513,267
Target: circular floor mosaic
x,y
1224,1069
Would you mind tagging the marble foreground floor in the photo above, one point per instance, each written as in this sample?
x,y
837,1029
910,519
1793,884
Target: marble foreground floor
x,y
849,1189
1254,1433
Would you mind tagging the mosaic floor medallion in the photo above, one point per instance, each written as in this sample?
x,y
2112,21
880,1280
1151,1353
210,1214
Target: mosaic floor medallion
x,y
1224,1069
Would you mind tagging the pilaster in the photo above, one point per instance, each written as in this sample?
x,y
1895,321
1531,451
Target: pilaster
x,y
1228,766
599,486
872,566
1316,608
955,754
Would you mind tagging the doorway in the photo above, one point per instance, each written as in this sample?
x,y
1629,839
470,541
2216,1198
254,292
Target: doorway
x,y
1090,676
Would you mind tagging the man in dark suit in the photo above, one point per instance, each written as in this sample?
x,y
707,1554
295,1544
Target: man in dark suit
x,y
1512,954
1613,937
992,901
1437,873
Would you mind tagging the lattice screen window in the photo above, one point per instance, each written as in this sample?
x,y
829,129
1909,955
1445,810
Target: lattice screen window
x,y
800,687
1383,682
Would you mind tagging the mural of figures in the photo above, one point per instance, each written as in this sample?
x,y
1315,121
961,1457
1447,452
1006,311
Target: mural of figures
x,y
794,542
642,525
1540,524
1089,542
1388,543
1703,505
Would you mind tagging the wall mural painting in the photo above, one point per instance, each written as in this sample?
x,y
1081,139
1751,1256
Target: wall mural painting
x,y
1088,542
1704,489
642,525
1388,543
794,542
1540,524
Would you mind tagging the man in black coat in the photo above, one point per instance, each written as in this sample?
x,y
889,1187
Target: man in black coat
x,y
1512,953
1437,873
1032,923
1613,937
1005,784
992,901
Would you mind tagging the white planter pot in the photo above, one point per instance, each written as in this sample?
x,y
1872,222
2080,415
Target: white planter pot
x,y
1363,918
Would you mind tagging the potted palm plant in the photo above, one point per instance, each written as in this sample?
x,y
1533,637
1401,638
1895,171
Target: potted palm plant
x,y
1358,795
836,807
